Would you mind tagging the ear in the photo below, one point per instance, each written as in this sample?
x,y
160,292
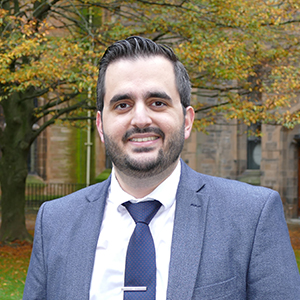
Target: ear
x,y
100,126
189,120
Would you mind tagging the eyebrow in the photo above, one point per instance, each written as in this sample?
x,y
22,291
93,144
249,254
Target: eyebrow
x,y
157,94
119,97
147,95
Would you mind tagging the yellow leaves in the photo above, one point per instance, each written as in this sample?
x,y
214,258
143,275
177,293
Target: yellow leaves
x,y
43,64
228,40
203,123
220,42
288,120
3,13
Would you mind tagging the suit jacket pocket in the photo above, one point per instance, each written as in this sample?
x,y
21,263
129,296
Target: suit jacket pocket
x,y
222,290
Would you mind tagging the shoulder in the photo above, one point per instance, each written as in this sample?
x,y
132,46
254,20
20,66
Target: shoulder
x,y
82,197
72,211
233,204
227,191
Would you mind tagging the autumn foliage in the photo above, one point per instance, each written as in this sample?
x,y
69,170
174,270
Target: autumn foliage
x,y
242,57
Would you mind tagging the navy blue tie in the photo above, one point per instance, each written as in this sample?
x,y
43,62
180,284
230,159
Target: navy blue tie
x,y
140,270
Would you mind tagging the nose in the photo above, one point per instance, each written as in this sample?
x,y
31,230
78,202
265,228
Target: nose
x,y
141,117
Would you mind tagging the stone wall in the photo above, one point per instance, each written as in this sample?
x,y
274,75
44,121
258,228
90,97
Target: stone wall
x,y
60,158
215,152
223,152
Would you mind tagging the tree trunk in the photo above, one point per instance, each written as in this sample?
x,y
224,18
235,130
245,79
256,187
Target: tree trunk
x,y
13,177
15,141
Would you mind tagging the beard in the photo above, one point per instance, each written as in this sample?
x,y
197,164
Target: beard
x,y
147,167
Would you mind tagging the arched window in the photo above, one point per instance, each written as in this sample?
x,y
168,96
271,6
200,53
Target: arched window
x,y
254,147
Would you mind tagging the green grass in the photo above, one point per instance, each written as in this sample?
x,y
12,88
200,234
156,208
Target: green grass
x,y
13,274
297,253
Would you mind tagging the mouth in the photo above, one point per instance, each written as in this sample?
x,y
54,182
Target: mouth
x,y
144,139
138,135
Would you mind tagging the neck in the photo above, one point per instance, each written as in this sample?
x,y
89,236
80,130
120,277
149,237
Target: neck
x,y
141,187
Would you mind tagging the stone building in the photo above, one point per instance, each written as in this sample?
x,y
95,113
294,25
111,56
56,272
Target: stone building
x,y
271,161
59,155
227,150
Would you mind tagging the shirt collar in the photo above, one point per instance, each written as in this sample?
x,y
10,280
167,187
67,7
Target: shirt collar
x,y
165,193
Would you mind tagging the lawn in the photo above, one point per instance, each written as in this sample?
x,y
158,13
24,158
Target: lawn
x,y
14,262
297,252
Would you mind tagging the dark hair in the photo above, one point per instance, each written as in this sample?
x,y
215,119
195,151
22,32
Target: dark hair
x,y
135,47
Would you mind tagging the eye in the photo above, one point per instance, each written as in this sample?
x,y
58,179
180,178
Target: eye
x,y
158,104
122,106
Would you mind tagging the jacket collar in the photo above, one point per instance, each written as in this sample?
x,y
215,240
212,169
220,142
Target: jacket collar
x,y
188,233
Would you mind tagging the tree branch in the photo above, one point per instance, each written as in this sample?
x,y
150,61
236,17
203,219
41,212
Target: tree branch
x,y
58,113
42,9
210,107
38,93
43,111
163,4
78,118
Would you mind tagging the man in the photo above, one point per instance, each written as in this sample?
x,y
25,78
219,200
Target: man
x,y
213,238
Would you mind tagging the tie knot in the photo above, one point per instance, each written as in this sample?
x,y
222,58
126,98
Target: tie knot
x,y
142,212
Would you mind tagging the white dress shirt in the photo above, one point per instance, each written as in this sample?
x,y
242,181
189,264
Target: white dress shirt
x,y
116,230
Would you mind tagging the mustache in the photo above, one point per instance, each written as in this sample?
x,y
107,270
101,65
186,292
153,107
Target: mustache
x,y
135,130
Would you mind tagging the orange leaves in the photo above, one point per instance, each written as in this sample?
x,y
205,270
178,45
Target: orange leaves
x,y
16,249
32,56
247,52
14,261
253,46
42,61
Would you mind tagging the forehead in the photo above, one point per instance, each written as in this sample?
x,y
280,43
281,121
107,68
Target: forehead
x,y
143,58
140,73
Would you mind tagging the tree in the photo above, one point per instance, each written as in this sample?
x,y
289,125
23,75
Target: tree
x,y
49,51
47,60
243,55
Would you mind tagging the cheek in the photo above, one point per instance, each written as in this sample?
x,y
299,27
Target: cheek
x,y
171,129
115,129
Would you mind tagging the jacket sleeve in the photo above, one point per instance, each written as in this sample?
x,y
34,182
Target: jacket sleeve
x,y
36,281
272,272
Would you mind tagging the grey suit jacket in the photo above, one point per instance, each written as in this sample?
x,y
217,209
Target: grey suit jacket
x,y
230,241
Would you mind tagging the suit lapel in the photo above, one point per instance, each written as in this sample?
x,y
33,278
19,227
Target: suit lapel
x,y
80,259
188,233
189,227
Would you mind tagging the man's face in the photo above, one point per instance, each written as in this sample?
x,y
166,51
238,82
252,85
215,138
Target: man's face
x,y
143,125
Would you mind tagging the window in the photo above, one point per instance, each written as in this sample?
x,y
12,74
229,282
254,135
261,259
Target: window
x,y
254,147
